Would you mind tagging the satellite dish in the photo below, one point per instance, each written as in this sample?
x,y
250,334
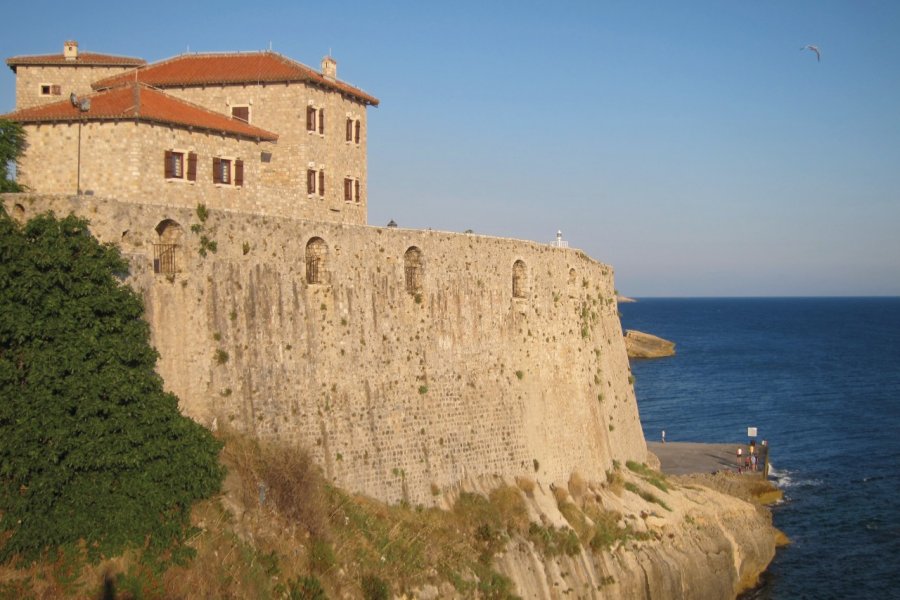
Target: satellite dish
x,y
85,105
73,98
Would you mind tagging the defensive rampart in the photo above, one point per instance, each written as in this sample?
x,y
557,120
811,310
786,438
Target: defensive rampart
x,y
406,361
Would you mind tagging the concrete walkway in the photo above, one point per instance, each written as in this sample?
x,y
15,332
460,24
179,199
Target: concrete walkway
x,y
684,458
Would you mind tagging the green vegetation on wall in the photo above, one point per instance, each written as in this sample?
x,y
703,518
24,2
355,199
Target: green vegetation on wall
x,y
91,447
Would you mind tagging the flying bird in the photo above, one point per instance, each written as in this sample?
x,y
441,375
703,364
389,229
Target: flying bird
x,y
814,49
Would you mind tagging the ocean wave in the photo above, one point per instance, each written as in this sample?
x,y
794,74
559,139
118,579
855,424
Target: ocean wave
x,y
787,479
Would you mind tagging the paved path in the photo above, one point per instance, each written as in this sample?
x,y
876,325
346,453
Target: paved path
x,y
683,458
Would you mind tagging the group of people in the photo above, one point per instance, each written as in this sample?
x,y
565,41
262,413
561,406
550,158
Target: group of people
x,y
750,460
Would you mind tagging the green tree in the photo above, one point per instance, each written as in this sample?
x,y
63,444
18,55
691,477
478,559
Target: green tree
x,y
91,447
12,145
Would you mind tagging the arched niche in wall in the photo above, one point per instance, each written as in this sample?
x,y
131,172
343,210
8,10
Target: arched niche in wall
x,y
519,279
414,268
316,256
166,251
572,276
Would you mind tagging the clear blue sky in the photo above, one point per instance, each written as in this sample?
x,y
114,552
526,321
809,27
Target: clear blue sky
x,y
692,145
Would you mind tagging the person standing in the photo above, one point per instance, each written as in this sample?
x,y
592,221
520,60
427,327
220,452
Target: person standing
x,y
740,452
663,436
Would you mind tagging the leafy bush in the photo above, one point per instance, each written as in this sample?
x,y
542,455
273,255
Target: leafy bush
x,y
91,447
375,588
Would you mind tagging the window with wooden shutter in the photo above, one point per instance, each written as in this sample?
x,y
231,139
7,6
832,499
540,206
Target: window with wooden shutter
x,y
192,166
239,172
357,190
321,183
348,189
217,170
349,130
310,181
357,131
56,90
241,113
322,121
167,165
310,118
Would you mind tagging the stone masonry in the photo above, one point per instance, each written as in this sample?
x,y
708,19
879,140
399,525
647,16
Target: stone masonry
x,y
402,381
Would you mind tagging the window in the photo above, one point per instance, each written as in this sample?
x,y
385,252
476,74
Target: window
x,y
315,182
316,253
315,119
413,269
175,167
351,189
518,279
165,252
241,113
48,89
353,128
228,172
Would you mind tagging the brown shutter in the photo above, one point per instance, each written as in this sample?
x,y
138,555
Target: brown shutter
x,y
310,182
321,183
346,190
349,130
322,120
167,165
357,190
357,132
192,166
217,170
310,118
56,90
238,172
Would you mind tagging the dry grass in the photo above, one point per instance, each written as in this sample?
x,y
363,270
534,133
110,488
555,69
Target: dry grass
x,y
526,485
303,531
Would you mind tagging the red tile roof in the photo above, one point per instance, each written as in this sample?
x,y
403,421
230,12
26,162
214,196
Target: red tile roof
x,y
84,59
231,68
138,102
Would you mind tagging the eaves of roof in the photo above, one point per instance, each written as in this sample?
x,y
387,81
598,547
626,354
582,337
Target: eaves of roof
x,y
250,68
140,103
84,59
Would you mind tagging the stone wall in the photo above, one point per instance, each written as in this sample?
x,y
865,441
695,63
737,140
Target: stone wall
x,y
398,394
71,78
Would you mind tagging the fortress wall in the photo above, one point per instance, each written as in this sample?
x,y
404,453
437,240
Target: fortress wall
x,y
397,395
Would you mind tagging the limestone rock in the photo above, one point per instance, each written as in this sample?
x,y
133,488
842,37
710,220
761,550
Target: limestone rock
x,y
645,345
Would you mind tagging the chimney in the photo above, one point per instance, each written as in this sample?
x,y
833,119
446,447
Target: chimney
x,y
329,68
70,50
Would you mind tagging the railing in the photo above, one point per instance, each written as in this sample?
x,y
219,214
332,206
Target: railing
x,y
164,259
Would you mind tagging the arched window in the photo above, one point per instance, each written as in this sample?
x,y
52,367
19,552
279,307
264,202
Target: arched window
x,y
518,279
316,253
414,269
165,251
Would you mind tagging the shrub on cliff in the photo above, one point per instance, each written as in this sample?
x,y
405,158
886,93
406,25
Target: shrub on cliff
x,y
92,449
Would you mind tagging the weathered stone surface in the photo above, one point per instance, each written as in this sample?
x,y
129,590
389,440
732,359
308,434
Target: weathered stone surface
x,y
645,345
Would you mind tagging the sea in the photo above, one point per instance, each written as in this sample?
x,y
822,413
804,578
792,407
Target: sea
x,y
819,379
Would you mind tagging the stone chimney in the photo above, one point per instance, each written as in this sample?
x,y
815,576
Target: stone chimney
x,y
329,68
70,50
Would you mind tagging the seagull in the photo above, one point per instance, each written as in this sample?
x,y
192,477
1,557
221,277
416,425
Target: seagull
x,y
814,49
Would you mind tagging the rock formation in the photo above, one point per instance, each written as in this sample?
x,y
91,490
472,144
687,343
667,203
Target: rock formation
x,y
645,345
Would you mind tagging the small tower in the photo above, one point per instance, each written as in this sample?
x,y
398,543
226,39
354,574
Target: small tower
x,y
70,50
329,68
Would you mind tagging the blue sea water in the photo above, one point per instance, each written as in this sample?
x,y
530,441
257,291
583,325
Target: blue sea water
x,y
820,379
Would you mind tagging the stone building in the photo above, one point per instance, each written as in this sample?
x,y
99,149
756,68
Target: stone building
x,y
252,132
